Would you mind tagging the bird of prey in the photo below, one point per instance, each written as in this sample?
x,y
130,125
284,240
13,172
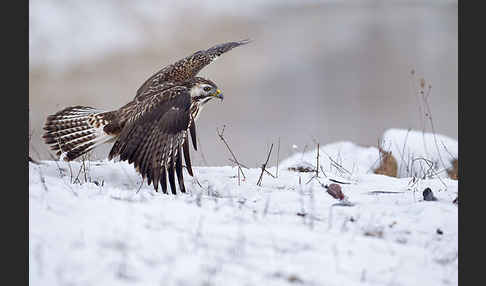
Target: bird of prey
x,y
152,130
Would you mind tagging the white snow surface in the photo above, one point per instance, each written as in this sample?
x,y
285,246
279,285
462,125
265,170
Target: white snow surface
x,y
104,229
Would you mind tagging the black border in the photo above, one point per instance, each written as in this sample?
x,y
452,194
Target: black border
x,y
15,129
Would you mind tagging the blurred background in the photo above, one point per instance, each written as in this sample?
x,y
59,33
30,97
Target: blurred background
x,y
316,71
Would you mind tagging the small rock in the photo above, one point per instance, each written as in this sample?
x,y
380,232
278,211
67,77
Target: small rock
x,y
374,233
439,231
456,200
294,279
335,191
428,195
401,240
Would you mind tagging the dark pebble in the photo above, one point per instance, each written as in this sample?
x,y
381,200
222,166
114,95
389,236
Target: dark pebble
x,y
428,195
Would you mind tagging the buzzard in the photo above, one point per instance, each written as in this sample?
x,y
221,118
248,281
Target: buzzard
x,y
152,130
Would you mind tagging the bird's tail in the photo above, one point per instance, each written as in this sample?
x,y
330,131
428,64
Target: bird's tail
x,y
76,130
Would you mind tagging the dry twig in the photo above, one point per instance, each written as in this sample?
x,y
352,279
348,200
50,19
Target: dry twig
x,y
266,171
259,183
220,134
338,166
278,153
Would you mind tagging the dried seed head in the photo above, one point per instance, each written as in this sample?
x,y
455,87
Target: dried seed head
x,y
422,83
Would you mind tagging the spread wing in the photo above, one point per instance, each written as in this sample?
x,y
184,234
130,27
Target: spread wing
x,y
154,136
187,67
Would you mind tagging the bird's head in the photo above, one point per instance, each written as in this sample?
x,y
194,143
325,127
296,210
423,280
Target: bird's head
x,y
203,90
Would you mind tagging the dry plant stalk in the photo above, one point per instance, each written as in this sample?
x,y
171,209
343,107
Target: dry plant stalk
x,y
259,183
338,166
220,134
266,171
427,112
316,176
82,168
278,153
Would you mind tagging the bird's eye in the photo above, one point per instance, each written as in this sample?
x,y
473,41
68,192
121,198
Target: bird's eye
x,y
207,88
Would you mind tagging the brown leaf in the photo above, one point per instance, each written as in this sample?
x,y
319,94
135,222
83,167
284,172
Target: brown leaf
x,y
422,83
335,191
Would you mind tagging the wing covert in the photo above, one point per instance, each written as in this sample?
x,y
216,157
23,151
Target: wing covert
x,y
187,67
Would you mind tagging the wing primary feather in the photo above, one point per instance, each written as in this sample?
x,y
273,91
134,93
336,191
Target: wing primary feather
x,y
192,129
128,146
220,49
155,175
145,158
140,148
187,156
149,179
170,171
178,167
131,156
164,162
157,166
143,163
163,180
156,185
131,144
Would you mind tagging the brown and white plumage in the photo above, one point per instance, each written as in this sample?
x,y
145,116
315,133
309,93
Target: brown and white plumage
x,y
76,130
152,131
187,67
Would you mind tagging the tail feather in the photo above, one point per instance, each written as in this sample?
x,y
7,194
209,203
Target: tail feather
x,y
76,130
67,135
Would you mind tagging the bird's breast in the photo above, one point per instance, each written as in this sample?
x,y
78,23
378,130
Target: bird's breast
x,y
196,109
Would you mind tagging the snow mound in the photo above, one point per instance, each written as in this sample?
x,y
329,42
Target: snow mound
x,y
415,151
344,159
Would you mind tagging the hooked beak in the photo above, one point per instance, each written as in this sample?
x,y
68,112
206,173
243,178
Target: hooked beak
x,y
219,94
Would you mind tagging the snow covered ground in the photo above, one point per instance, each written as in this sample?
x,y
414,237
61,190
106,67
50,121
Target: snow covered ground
x,y
106,229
